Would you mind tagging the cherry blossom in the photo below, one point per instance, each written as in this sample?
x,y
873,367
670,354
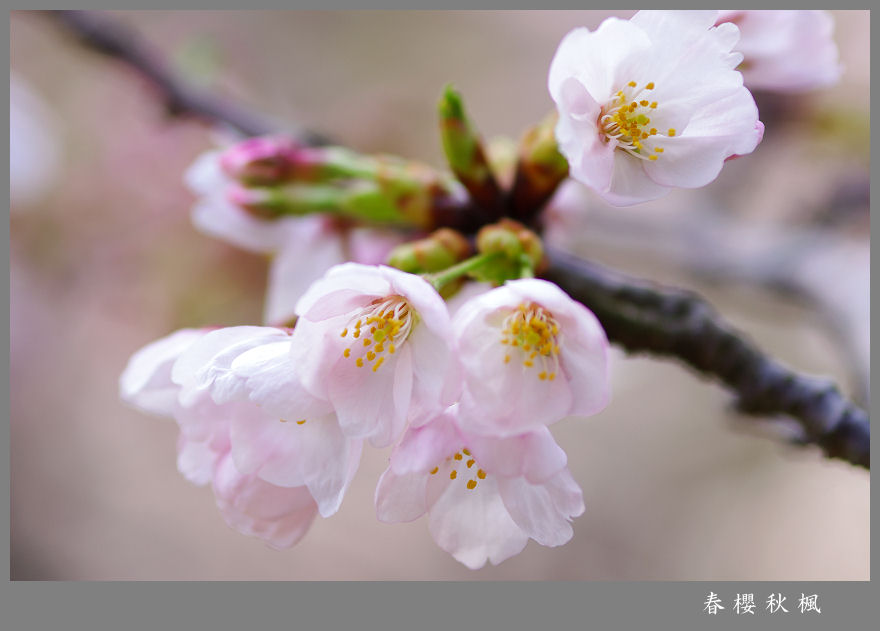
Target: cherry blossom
x,y
375,342
530,356
278,431
278,515
484,496
651,103
785,51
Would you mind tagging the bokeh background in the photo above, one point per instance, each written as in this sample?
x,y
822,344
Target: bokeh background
x,y
677,485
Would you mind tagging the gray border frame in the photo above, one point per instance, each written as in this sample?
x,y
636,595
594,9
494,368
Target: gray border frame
x,y
631,606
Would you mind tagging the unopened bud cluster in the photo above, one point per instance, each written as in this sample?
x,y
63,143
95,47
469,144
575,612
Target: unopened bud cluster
x,y
276,176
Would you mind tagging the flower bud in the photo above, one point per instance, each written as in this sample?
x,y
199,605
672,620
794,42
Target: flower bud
x,y
464,151
540,169
438,251
512,239
265,160
374,189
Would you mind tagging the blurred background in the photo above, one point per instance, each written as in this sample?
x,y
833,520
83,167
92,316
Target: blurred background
x,y
104,259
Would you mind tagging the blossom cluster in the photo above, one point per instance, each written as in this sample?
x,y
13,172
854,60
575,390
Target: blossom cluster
x,y
462,386
276,418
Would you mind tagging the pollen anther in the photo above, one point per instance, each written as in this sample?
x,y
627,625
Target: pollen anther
x,y
535,331
623,120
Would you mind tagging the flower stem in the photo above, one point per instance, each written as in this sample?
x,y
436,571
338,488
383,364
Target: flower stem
x,y
525,267
441,279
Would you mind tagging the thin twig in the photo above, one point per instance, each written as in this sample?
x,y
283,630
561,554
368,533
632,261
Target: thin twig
x,y
105,35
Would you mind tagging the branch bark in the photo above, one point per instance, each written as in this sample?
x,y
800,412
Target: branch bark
x,y
644,318
639,316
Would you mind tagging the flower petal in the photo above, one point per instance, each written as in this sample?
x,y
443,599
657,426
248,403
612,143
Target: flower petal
x,y
533,508
400,498
474,526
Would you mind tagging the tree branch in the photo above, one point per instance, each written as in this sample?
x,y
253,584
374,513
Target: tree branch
x,y
105,35
636,315
644,318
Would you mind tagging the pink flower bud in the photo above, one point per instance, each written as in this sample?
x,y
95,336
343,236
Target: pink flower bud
x,y
264,160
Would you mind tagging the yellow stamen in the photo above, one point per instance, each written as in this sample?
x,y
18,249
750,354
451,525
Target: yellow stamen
x,y
435,470
472,484
453,474
359,362
346,352
481,474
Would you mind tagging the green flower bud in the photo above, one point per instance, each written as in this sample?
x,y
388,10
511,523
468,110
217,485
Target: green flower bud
x,y
540,170
512,239
464,151
438,251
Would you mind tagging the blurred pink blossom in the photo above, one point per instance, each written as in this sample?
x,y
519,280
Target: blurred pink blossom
x,y
785,51
34,145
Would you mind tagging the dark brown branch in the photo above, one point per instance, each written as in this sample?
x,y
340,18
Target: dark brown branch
x,y
644,318
638,316
105,35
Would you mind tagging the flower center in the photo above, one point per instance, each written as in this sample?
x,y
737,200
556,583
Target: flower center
x,y
626,119
299,422
534,331
470,471
378,329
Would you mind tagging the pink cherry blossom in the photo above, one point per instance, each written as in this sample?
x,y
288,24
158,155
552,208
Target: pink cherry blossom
x,y
278,515
376,343
785,51
651,103
277,430
530,357
302,248
484,496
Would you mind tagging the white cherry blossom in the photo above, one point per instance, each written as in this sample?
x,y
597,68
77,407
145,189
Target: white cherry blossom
x,y
651,103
